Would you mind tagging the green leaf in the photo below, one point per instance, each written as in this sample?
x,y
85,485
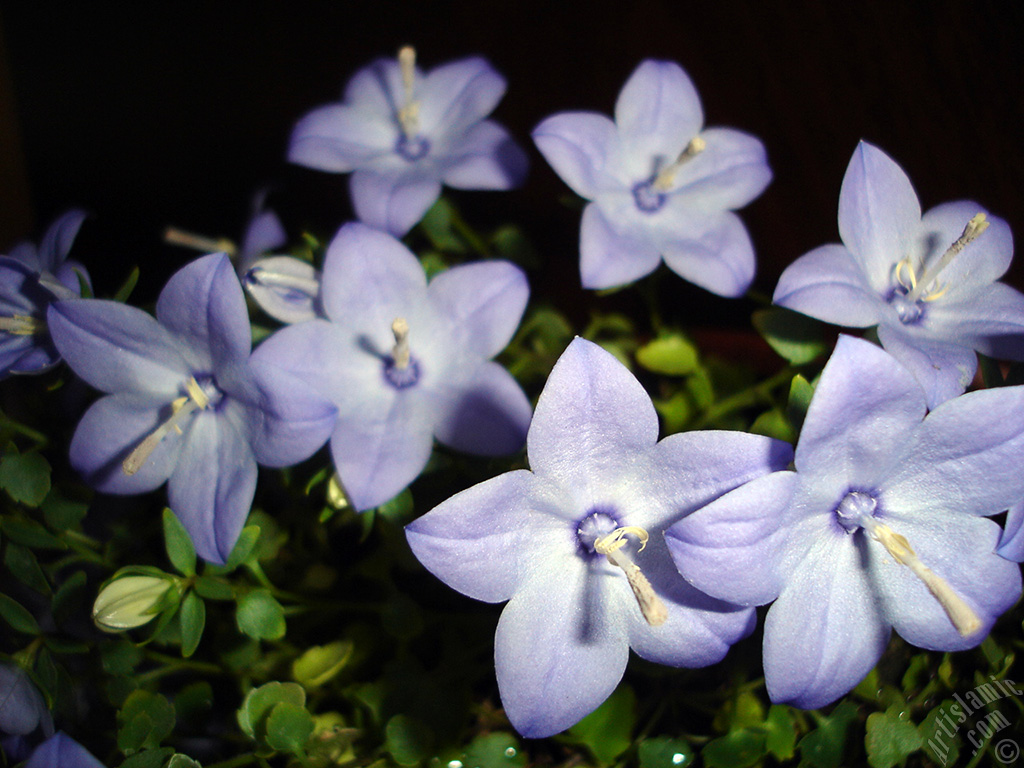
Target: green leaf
x,y
260,616
31,534
213,589
608,730
243,547
794,337
15,614
193,703
800,394
494,750
289,727
823,747
398,509
738,749
62,514
25,477
148,758
145,720
773,423
259,702
127,286
321,663
664,752
23,564
438,224
182,761
193,620
780,732
408,740
669,355
890,738
178,544
938,732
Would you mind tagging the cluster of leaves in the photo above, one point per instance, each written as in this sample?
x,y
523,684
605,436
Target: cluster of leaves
x,y
322,642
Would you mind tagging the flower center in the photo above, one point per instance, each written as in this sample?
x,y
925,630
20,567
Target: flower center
x,y
412,148
22,325
613,546
401,369
647,198
855,506
593,527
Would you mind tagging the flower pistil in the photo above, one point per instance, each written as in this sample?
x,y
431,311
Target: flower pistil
x,y
611,546
196,399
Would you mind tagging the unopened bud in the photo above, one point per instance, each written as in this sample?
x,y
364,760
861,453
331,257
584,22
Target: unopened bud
x,y
130,602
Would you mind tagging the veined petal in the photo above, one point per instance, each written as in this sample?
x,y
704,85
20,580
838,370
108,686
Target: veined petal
x,y
879,214
825,632
485,157
959,549
117,348
1011,542
943,368
341,137
59,238
727,174
484,301
592,415
393,200
828,283
455,95
991,321
377,87
581,147
203,303
981,262
719,259
732,548
658,111
559,651
609,258
864,408
965,456
488,415
314,352
212,487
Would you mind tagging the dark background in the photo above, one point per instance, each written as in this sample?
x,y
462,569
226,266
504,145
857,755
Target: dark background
x,y
149,114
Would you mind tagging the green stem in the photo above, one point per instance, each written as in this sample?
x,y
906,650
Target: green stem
x,y
172,665
6,422
760,392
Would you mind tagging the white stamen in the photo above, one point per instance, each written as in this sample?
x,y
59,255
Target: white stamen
x,y
972,231
409,112
959,612
400,352
200,243
21,325
651,606
269,279
667,176
197,400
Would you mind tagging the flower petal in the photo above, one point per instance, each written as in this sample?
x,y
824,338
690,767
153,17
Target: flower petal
x,y
609,258
879,214
1011,543
61,751
485,157
828,283
393,200
581,147
264,233
825,632
286,288
341,137
658,111
720,259
981,262
727,174
943,369
59,238
990,321
455,95
376,88
559,651
488,415
212,487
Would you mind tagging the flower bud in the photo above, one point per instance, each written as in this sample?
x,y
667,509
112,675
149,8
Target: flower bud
x,y
130,601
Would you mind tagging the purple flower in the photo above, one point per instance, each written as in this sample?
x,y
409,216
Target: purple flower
x,y
186,403
927,282
22,708
881,526
660,186
406,362
402,133
575,545
61,751
30,278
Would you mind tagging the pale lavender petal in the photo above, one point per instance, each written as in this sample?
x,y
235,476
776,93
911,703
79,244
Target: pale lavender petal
x,y
59,238
61,751
485,157
393,200
943,369
879,214
990,321
376,88
720,259
481,541
110,430
22,708
966,456
488,415
730,172
609,258
212,487
316,353
558,651
658,111
828,283
117,348
732,548
264,233
455,95
341,138
484,302
591,415
825,632
961,551
204,305
580,146
286,288
1011,543
26,354
864,407
979,264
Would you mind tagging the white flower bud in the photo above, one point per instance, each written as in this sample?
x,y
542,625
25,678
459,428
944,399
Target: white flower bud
x,y
130,602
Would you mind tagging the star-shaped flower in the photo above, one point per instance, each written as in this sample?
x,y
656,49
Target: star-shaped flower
x,y
880,527
61,751
30,278
402,133
661,185
576,545
406,362
928,282
186,404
